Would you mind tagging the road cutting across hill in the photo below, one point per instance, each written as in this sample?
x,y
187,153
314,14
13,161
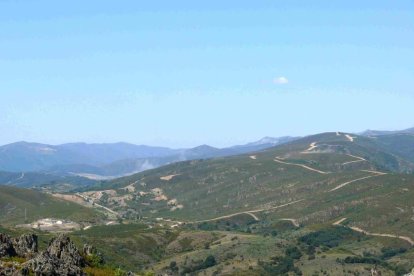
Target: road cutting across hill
x,y
359,159
374,174
250,212
293,221
357,229
278,160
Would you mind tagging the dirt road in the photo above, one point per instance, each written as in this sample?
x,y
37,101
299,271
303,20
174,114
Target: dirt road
x,y
277,159
357,229
375,173
250,212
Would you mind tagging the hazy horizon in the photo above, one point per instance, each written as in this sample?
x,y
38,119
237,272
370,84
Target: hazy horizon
x,y
195,145
184,74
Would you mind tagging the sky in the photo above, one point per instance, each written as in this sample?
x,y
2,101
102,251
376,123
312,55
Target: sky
x,y
185,73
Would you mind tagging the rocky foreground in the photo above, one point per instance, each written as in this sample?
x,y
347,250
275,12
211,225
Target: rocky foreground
x,y
20,256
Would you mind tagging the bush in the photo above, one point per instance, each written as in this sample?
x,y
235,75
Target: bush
x,y
209,262
293,252
330,237
173,266
279,265
388,252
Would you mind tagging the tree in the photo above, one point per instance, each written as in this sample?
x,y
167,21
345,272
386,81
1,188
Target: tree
x,y
209,262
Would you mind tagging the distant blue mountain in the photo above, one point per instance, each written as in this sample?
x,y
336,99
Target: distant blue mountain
x,y
110,159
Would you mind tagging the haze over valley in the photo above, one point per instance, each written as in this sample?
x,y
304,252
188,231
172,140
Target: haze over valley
x,y
211,138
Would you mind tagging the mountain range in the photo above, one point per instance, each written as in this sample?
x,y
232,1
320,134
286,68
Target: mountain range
x,y
333,203
387,132
27,164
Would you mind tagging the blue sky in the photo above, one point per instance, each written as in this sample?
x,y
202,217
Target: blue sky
x,y
183,73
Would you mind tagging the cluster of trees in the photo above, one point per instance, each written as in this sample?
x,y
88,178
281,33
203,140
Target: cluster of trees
x,y
389,252
398,270
282,265
330,237
203,264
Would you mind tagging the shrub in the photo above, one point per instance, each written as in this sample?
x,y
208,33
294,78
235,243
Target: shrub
x,y
330,237
293,252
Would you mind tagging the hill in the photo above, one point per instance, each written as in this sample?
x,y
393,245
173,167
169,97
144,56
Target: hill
x,y
399,144
99,161
387,132
315,179
19,206
331,204
24,156
39,179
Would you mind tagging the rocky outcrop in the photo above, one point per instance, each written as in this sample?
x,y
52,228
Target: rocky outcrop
x,y
89,250
6,246
25,245
46,265
60,258
64,249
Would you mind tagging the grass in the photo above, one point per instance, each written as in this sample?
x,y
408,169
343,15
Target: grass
x,y
223,186
15,202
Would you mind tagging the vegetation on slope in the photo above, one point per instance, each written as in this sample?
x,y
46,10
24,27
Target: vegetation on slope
x,y
19,206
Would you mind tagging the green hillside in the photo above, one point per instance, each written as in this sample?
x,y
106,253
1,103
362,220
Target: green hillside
x,y
315,179
328,204
399,144
14,202
47,180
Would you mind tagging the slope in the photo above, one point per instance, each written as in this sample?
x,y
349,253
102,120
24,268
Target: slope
x,y
17,204
312,180
110,160
39,179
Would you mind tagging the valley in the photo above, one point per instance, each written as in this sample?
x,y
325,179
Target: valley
x,y
206,138
313,205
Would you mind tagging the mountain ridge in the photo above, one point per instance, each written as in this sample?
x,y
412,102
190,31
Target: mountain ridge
x,y
28,156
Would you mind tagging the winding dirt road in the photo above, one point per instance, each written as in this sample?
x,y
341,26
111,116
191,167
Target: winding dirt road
x,y
375,173
293,221
349,137
357,229
251,212
277,159
359,159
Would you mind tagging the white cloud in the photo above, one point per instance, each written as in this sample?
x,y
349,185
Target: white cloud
x,y
280,80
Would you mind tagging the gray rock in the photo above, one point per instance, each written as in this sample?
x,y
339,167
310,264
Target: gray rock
x,y
89,250
6,246
25,245
65,250
61,258
46,265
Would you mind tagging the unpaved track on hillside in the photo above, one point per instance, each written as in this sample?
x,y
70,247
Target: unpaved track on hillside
x,y
375,173
357,229
168,177
311,147
359,159
94,204
349,137
277,159
339,221
251,212
293,221
253,216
